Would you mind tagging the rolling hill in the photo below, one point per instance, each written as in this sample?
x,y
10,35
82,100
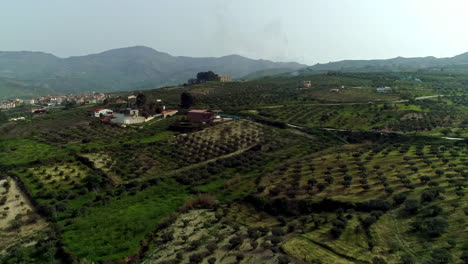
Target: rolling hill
x,y
119,69
391,65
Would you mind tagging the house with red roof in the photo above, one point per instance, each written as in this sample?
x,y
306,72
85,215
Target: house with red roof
x,y
167,113
200,116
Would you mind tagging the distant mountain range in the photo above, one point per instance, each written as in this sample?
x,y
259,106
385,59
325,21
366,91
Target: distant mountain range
x,y
28,73
390,65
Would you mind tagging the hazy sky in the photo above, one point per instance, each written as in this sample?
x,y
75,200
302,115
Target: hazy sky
x,y
307,31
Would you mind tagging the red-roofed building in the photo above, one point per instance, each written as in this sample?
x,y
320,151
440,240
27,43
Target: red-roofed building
x,y
200,116
168,113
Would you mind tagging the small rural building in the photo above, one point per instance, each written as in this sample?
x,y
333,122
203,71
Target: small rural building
x,y
335,90
39,111
307,84
225,78
129,116
167,113
102,112
385,89
200,116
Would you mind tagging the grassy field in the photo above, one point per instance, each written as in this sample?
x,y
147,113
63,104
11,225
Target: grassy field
x,y
24,151
115,228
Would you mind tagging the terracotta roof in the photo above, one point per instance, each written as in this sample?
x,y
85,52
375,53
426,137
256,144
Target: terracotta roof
x,y
197,111
168,111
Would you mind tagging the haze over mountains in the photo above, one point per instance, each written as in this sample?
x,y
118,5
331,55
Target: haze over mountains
x,y
394,64
26,73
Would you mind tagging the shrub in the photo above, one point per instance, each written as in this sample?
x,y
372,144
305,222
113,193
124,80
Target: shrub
x,y
464,257
253,244
429,194
412,206
407,259
235,241
193,245
211,246
203,200
283,259
275,240
441,256
399,198
239,257
432,210
196,258
277,231
432,227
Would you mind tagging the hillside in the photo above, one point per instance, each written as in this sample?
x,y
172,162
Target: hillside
x,y
296,176
119,69
397,64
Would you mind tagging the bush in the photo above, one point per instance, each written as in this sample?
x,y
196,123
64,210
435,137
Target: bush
x,y
239,257
441,256
193,245
275,240
196,258
283,259
253,244
432,227
432,210
412,206
211,246
235,241
464,257
277,231
368,221
407,259
429,195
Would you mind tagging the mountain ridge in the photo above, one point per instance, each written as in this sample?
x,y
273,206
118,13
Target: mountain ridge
x,y
120,69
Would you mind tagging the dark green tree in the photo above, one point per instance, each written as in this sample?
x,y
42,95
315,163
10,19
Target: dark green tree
x,y
207,76
186,100
140,100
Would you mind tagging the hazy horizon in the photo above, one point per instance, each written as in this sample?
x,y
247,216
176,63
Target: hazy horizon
x,y
307,32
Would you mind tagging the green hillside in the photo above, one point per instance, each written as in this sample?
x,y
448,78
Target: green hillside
x,y
291,175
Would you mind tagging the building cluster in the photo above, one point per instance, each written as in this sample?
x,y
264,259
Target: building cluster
x,y
130,116
91,98
127,116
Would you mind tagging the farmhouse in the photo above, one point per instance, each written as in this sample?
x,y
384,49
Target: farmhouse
x,y
225,78
102,112
385,89
200,116
307,84
335,90
129,116
167,113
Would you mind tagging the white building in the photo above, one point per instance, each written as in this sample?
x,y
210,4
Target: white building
x,y
385,89
102,112
129,116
